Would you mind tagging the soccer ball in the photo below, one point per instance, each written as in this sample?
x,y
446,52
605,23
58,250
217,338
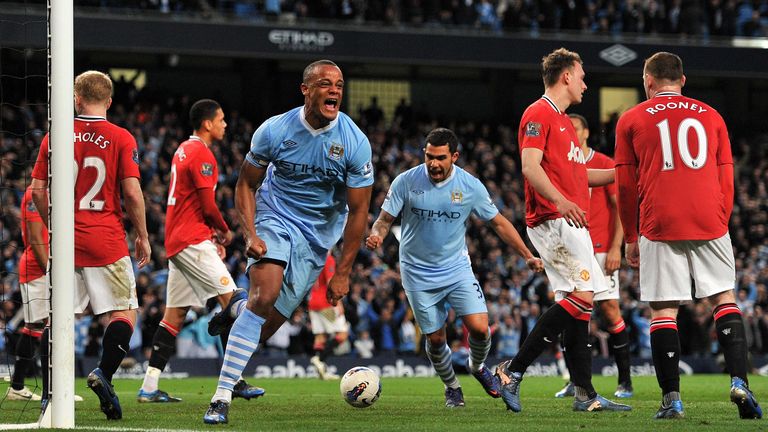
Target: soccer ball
x,y
360,387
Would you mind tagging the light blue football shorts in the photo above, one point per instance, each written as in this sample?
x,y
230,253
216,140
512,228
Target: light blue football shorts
x,y
430,307
304,262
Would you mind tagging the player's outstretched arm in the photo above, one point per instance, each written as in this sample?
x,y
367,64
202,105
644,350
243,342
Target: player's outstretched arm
x,y
40,198
379,230
600,177
510,236
537,177
134,206
248,183
358,200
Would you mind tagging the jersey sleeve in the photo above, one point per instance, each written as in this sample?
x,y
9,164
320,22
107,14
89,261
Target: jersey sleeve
x,y
484,207
260,154
724,155
608,163
128,159
202,170
359,166
40,171
30,210
624,153
395,199
535,128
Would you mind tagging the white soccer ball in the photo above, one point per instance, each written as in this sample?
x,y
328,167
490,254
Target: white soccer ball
x,y
360,387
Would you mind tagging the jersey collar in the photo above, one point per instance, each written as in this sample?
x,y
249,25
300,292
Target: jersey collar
x,y
552,104
90,118
313,131
197,138
667,93
590,155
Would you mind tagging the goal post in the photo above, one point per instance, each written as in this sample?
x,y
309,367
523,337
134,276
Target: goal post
x,y
62,198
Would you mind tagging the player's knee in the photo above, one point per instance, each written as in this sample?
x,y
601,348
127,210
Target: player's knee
x,y
436,340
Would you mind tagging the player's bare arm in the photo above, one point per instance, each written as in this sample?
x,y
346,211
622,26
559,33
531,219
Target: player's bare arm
x,y
537,177
134,207
613,257
510,236
626,179
248,183
379,230
600,177
38,243
358,200
40,197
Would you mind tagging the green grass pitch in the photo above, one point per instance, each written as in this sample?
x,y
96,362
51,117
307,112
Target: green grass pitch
x,y
410,404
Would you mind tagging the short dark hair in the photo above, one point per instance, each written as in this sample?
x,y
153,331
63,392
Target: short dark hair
x,y
204,109
664,66
581,118
442,136
554,63
310,69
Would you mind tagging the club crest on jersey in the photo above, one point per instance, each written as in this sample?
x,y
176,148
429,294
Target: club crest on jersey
x,y
533,129
336,152
224,280
206,169
135,156
456,197
584,275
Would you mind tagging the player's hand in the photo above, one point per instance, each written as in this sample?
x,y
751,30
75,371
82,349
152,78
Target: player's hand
x,y
373,241
573,215
224,238
221,251
143,251
535,264
255,247
612,260
633,254
338,287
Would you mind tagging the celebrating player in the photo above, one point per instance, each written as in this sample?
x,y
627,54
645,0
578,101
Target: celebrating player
x,y
675,169
557,199
195,271
107,162
307,178
607,238
435,200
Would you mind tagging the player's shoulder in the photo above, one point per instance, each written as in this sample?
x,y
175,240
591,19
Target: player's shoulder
x,y
411,175
351,130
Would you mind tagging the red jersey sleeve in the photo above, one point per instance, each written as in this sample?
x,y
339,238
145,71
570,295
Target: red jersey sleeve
x,y
624,153
535,127
129,157
40,171
203,171
724,155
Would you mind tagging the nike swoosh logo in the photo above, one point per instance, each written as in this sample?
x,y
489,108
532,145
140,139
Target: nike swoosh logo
x,y
546,339
619,346
562,129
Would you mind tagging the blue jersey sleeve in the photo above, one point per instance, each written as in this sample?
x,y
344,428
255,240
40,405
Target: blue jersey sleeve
x,y
260,154
359,166
395,199
483,207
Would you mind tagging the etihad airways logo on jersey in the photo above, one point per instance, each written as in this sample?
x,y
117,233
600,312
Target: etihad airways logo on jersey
x,y
294,40
435,215
306,169
576,155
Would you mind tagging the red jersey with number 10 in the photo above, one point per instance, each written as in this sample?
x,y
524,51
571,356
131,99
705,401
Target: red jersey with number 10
x,y
193,167
544,127
678,145
105,154
29,269
601,217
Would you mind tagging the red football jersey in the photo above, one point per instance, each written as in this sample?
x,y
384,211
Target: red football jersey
x,y
29,269
544,127
105,154
193,167
602,217
677,144
317,297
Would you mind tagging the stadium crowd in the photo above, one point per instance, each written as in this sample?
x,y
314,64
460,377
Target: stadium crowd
x,y
698,18
376,307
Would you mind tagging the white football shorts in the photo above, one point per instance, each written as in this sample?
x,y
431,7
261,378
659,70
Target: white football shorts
x,y
612,280
196,274
35,296
667,269
109,288
328,321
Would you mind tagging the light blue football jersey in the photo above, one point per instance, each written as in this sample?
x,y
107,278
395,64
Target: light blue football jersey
x,y
309,170
433,250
